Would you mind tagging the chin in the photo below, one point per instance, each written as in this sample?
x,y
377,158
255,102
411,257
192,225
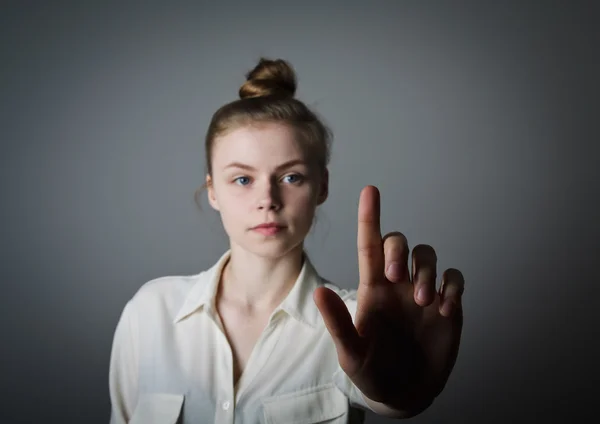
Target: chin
x,y
269,247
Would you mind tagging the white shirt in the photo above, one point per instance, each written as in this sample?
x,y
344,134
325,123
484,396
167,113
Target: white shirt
x,y
171,362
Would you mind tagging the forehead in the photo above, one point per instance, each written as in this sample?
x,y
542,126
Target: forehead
x,y
266,144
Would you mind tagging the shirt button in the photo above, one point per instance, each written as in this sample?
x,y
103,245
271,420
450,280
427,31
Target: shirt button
x,y
226,405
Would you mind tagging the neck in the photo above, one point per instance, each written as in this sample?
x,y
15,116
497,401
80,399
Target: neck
x,y
257,284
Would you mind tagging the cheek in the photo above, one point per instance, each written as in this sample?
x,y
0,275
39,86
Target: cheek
x,y
235,203
303,203
232,204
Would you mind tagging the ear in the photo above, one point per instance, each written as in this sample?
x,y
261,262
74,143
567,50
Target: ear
x,y
323,188
210,189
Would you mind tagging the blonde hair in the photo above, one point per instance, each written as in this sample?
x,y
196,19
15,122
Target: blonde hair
x,y
267,96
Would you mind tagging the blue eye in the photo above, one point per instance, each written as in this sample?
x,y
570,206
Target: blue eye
x,y
242,180
295,178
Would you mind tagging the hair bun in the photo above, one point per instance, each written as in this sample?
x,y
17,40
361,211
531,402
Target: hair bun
x,y
268,78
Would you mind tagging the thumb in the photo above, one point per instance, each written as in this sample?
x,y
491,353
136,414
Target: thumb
x,y
338,322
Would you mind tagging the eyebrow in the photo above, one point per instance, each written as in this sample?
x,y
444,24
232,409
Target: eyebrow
x,y
285,165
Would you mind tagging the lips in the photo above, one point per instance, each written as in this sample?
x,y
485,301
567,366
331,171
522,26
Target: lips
x,y
268,225
269,229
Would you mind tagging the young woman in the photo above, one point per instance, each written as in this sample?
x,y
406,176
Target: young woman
x,y
260,337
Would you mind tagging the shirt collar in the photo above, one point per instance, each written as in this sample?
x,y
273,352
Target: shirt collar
x,y
203,292
299,303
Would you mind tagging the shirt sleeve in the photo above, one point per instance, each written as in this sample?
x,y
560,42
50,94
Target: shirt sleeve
x,y
123,369
340,378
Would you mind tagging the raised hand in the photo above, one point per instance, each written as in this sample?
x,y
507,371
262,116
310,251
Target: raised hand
x,y
404,341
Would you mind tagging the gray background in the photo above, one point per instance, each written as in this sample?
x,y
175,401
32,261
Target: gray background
x,y
478,122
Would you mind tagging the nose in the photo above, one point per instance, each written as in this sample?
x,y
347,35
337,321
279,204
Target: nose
x,y
269,197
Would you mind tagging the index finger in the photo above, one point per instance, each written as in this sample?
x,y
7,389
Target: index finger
x,y
369,242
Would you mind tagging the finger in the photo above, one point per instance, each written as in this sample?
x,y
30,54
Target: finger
x,y
395,248
338,322
424,274
451,290
369,242
370,256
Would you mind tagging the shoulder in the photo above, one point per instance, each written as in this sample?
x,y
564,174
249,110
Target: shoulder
x,y
167,286
164,294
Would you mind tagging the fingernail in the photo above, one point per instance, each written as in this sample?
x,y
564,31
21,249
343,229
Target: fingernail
x,y
421,294
394,271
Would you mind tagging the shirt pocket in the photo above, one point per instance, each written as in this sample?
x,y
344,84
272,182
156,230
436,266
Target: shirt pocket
x,y
157,408
322,404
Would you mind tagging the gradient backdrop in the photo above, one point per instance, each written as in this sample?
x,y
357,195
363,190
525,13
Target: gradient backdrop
x,y
478,122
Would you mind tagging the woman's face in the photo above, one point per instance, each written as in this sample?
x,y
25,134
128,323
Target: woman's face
x,y
260,176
